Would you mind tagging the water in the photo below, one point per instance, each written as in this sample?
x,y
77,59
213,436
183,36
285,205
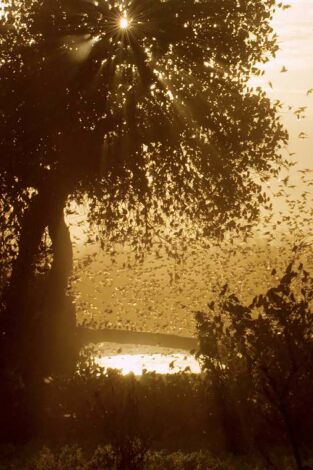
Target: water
x,y
138,359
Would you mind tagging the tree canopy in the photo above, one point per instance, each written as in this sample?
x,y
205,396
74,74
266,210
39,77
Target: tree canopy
x,y
154,120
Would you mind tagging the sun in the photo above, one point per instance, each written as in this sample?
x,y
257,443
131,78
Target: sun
x,y
124,22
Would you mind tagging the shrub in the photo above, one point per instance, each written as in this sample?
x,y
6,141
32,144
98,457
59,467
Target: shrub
x,y
260,362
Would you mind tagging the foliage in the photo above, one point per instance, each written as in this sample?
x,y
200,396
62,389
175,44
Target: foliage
x,y
108,407
14,199
170,290
259,358
104,458
157,124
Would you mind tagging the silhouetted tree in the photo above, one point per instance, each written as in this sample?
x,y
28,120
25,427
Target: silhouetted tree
x,y
261,357
156,123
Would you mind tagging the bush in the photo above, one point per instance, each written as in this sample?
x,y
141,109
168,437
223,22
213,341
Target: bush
x,y
104,458
260,362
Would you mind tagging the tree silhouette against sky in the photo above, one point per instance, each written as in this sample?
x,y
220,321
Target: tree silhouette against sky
x,y
142,106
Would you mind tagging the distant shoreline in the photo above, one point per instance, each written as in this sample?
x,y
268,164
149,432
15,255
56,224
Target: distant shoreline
x,y
88,335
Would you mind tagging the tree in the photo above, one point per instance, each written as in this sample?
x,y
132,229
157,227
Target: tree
x,y
152,118
260,357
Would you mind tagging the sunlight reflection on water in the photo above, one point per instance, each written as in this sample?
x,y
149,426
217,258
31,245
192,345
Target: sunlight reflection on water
x,y
137,360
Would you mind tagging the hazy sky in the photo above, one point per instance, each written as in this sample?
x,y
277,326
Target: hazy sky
x,y
295,29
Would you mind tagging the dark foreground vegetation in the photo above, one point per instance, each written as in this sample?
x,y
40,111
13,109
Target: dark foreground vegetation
x,y
107,458
251,407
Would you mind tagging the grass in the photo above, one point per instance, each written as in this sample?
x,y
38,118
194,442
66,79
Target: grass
x,y
108,458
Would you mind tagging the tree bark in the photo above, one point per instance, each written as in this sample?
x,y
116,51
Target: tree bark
x,y
59,336
293,441
18,299
27,304
38,323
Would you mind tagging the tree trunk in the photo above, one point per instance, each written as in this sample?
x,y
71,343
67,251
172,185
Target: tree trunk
x,y
38,324
20,311
17,322
229,421
293,441
59,338
31,304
